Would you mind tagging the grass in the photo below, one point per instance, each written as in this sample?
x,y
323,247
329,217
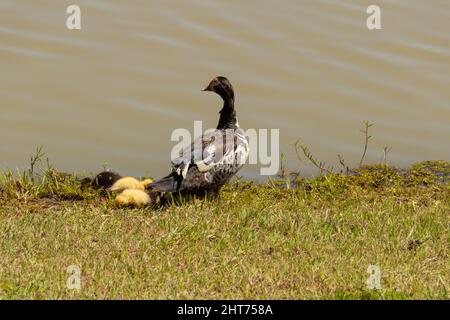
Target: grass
x,y
311,240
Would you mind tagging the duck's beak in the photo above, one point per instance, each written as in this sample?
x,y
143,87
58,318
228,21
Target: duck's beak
x,y
208,87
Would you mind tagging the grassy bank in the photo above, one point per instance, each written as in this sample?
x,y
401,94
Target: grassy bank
x,y
313,239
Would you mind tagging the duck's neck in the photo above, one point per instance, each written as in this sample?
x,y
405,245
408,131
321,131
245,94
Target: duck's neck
x,y
227,118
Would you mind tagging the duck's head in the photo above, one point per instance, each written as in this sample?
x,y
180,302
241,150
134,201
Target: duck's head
x,y
222,87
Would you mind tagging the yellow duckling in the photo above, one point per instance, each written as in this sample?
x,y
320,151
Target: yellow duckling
x,y
132,197
129,183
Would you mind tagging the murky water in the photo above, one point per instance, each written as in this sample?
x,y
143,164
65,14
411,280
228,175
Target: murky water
x,y
114,91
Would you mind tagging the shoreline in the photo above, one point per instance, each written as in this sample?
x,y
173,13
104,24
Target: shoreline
x,y
315,241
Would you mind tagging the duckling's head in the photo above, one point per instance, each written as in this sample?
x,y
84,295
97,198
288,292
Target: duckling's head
x,y
146,182
222,87
121,201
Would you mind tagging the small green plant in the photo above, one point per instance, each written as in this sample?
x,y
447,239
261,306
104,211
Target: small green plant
x,y
323,167
42,180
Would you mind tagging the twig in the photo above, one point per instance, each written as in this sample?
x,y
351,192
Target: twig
x,y
34,160
282,172
320,165
343,164
367,125
386,150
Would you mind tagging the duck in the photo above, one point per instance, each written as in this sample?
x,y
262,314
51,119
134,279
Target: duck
x,y
133,197
204,170
129,183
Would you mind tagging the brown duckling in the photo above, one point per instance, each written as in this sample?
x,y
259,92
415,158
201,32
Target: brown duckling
x,y
105,180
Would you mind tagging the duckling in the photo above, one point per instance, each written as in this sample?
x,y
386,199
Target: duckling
x,y
132,197
129,183
105,179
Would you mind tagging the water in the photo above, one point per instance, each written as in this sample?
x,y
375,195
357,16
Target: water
x,y
114,91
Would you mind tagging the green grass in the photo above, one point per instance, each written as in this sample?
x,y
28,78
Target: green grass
x,y
314,240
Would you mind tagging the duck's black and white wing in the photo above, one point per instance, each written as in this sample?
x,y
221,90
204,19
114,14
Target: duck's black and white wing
x,y
214,156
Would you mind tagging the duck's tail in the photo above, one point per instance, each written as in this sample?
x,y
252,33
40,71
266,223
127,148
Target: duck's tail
x,y
171,183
